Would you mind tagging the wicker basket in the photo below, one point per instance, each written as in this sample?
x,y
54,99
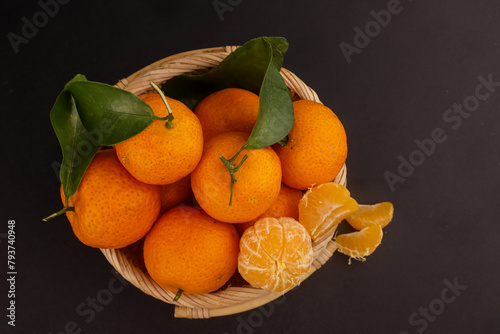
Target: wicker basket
x,y
234,297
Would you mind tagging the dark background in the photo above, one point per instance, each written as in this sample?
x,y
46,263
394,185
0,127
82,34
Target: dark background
x,y
394,92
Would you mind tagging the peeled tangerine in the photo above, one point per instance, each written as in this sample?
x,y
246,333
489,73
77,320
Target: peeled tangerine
x,y
275,254
323,207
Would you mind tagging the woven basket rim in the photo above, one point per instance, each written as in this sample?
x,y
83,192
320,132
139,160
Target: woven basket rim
x,y
175,57
233,299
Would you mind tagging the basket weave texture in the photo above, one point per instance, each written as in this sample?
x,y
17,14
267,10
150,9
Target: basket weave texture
x,y
129,262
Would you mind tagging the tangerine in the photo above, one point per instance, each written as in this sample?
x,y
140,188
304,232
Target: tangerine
x,y
258,179
187,249
112,209
161,155
285,205
176,193
316,148
227,110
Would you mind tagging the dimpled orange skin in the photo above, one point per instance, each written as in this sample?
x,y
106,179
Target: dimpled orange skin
x,y
112,208
176,193
316,149
258,179
227,110
187,249
286,205
275,254
159,155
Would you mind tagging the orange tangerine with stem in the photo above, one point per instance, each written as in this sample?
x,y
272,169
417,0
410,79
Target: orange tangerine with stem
x,y
169,148
360,244
275,254
369,215
324,206
257,172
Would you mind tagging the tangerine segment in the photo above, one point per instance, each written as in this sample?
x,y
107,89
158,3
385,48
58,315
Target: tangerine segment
x,y
275,254
369,215
323,207
258,179
361,243
187,249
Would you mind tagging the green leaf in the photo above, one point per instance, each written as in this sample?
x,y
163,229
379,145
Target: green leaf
x,y
78,77
77,144
253,66
275,119
111,113
89,114
244,68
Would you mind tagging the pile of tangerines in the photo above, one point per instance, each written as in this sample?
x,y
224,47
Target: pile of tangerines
x,y
204,215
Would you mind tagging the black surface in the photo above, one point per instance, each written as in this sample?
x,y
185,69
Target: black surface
x,y
395,91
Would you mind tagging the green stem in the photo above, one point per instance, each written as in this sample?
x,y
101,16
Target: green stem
x,y
241,163
178,295
233,169
60,212
236,155
283,141
170,117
